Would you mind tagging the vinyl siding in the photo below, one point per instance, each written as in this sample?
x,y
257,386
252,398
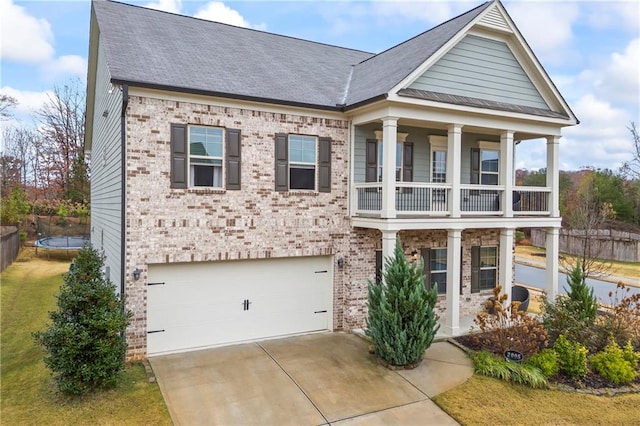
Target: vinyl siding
x,y
106,172
421,153
483,69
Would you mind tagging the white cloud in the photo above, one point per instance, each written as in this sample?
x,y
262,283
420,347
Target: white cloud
x,y
602,139
173,6
219,12
621,76
67,64
24,37
547,27
614,14
28,101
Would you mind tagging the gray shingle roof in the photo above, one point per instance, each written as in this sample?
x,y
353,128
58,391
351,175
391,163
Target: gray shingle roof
x,y
153,48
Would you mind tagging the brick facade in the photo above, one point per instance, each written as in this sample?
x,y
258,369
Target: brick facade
x,y
165,225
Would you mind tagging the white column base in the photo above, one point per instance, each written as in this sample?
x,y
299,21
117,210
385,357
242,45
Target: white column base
x,y
452,315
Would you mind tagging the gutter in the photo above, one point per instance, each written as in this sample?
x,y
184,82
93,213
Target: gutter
x,y
123,189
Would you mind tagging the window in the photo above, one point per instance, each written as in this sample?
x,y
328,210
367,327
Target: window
x,y
438,269
439,173
488,267
199,156
489,162
205,156
399,151
302,162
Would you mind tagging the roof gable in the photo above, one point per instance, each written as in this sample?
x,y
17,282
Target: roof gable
x,y
481,68
515,81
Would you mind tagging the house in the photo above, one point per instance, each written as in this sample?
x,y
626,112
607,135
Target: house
x,y
247,185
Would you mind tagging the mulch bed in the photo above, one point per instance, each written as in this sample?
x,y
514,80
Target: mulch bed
x,y
562,381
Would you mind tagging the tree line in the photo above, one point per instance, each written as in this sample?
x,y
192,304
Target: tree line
x,y
43,167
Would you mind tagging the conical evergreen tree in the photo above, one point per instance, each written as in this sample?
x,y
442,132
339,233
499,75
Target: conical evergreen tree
x,y
84,345
402,322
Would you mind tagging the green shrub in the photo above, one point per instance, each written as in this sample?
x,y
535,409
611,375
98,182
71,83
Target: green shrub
x,y
546,361
631,356
401,322
585,302
84,345
612,364
572,357
491,365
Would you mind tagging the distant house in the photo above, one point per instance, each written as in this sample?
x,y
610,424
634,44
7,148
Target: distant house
x,y
247,185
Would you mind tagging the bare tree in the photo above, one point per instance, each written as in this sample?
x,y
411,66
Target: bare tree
x,y
62,120
7,103
631,168
587,215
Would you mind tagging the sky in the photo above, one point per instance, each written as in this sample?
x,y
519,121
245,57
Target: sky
x,y
590,49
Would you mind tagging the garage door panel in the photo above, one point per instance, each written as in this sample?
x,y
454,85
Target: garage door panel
x,y
201,304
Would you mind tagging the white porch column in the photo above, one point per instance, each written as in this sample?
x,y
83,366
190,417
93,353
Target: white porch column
x,y
388,246
552,251
506,171
506,261
454,160
389,139
452,315
553,174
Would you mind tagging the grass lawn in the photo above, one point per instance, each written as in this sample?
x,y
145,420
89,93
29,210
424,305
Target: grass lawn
x,y
629,270
488,401
27,392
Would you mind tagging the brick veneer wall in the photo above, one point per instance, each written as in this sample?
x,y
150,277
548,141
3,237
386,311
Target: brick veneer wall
x,y
361,264
165,225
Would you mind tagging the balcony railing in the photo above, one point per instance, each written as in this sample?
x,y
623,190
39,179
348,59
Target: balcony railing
x,y
410,198
433,199
531,200
481,199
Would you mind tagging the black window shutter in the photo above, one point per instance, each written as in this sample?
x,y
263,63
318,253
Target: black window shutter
x,y
324,173
371,174
475,166
475,269
461,269
282,162
378,266
426,258
407,162
233,159
178,156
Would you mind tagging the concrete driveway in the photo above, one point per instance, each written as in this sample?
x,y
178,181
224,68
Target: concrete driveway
x,y
317,379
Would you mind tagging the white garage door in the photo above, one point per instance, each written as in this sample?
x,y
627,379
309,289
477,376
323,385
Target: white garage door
x,y
195,305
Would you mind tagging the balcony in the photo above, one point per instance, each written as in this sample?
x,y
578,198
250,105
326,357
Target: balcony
x,y
434,200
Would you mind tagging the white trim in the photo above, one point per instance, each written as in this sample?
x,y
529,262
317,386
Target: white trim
x,y
489,145
437,142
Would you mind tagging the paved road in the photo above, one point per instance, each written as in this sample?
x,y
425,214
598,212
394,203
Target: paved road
x,y
535,277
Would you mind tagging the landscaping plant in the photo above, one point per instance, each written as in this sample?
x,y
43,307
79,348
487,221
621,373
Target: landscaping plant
x,y
615,364
506,328
574,314
401,321
546,361
572,357
84,345
489,364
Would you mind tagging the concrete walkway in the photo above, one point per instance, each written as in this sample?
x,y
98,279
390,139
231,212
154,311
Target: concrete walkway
x,y
317,379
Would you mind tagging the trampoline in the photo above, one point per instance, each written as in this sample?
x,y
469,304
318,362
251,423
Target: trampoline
x,y
61,243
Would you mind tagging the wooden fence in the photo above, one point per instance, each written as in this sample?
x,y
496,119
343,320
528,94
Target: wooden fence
x,y
605,243
9,246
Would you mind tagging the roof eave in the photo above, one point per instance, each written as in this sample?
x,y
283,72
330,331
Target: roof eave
x,y
248,98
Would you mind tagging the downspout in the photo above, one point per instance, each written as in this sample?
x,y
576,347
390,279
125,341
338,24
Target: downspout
x,y
123,189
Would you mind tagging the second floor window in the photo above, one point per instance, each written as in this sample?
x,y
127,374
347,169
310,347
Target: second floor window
x,y
302,162
206,152
489,167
